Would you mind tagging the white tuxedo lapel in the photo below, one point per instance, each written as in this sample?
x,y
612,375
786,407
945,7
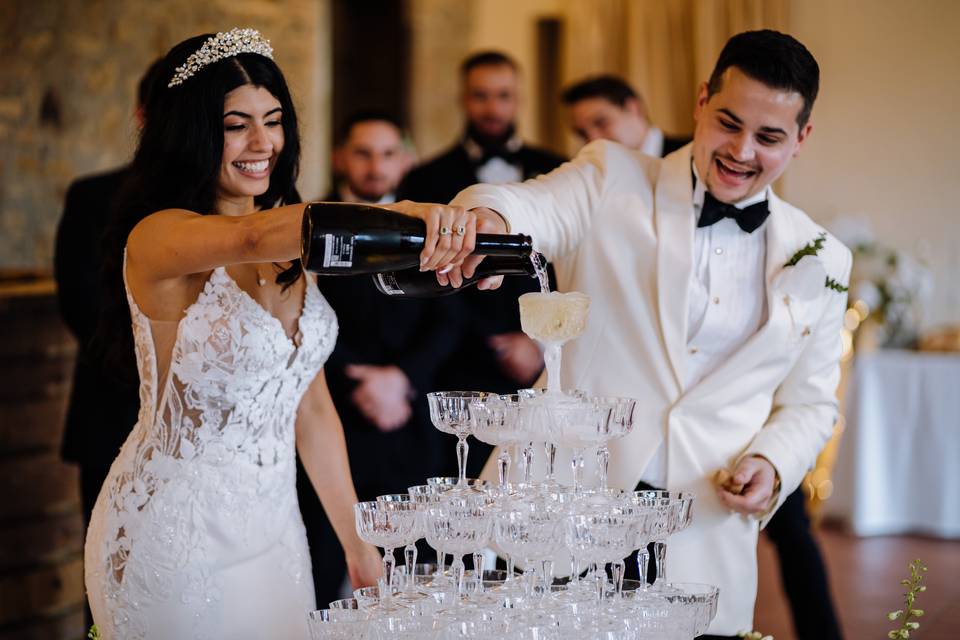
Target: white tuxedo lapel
x,y
674,219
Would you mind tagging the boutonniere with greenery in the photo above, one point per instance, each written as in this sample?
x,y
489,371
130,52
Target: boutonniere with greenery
x,y
807,270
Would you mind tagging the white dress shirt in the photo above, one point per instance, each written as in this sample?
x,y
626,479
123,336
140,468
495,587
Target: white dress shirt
x,y
653,143
495,170
726,300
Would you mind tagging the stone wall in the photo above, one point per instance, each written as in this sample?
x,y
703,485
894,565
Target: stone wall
x,y
68,85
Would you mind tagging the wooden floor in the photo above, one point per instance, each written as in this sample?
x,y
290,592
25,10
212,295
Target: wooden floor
x,y
865,575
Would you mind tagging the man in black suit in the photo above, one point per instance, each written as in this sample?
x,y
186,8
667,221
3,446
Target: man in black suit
x,y
606,107
101,409
387,354
493,354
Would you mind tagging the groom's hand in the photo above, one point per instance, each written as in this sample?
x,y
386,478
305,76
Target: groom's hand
x,y
758,479
488,221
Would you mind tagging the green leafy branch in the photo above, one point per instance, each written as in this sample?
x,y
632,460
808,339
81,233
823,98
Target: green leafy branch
x,y
906,615
812,248
94,633
836,286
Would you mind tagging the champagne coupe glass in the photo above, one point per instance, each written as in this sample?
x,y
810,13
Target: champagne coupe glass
x,y
337,624
531,531
459,525
406,627
424,495
699,601
386,525
673,511
538,422
599,539
404,502
581,425
681,505
450,413
553,319
497,422
448,483
620,424
349,604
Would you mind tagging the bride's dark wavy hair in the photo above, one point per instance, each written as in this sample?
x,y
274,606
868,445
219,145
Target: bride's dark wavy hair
x,y
177,166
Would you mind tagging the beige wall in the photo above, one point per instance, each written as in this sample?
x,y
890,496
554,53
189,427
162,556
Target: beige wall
x,y
86,58
886,128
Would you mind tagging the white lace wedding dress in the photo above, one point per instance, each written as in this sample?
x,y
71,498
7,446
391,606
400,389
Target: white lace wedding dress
x,y
197,531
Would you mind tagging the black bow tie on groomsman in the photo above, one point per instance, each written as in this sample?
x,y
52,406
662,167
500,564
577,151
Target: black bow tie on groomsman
x,y
749,218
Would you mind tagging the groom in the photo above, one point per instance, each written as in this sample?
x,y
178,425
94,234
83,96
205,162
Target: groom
x,y
702,307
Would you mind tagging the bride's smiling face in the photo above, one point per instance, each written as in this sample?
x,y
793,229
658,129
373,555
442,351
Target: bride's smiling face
x,y
252,141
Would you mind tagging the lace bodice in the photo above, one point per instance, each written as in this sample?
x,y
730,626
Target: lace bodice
x,y
206,477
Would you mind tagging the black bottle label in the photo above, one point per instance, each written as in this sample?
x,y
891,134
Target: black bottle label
x,y
388,284
338,250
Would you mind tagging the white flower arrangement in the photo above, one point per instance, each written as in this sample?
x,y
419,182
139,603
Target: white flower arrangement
x,y
890,282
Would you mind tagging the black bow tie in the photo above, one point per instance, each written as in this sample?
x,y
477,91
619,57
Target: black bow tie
x,y
510,157
749,218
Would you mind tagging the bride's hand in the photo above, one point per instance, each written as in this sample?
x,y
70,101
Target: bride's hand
x,y
364,566
451,234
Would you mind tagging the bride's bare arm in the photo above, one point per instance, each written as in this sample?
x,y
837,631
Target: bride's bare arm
x,y
323,453
175,243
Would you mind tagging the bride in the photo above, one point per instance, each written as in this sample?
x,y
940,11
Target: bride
x,y
197,532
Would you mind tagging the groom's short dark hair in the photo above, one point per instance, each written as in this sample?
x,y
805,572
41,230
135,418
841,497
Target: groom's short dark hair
x,y
775,59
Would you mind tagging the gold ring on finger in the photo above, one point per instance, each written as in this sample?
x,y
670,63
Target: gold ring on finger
x,y
444,231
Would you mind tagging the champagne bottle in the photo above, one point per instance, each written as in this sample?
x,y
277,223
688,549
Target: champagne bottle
x,y
349,239
413,283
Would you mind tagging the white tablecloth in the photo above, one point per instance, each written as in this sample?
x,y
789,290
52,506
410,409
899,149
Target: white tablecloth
x,y
898,468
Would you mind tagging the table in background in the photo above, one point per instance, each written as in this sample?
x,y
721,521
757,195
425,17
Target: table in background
x,y
898,468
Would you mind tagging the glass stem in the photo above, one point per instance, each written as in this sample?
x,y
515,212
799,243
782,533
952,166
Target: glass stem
x,y
388,564
527,463
510,568
603,457
660,559
550,450
600,579
529,578
503,468
643,563
617,571
578,471
478,571
410,560
546,568
458,576
462,450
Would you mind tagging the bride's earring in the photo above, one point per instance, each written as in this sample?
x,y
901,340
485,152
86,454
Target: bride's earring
x,y
260,279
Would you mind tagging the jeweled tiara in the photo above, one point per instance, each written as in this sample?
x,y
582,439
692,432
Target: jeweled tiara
x,y
223,45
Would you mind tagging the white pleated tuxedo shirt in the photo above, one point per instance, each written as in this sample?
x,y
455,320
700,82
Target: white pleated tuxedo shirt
x,y
726,300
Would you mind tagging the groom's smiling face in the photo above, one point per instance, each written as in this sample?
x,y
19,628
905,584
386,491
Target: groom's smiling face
x,y
746,135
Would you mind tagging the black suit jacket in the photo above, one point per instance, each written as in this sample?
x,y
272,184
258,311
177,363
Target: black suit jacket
x,y
100,412
415,335
474,365
440,179
671,144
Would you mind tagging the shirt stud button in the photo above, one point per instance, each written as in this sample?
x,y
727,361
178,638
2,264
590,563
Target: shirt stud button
x,y
718,251
716,301
694,350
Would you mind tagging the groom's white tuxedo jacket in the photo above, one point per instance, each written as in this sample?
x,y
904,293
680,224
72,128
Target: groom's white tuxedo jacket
x,y
619,226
